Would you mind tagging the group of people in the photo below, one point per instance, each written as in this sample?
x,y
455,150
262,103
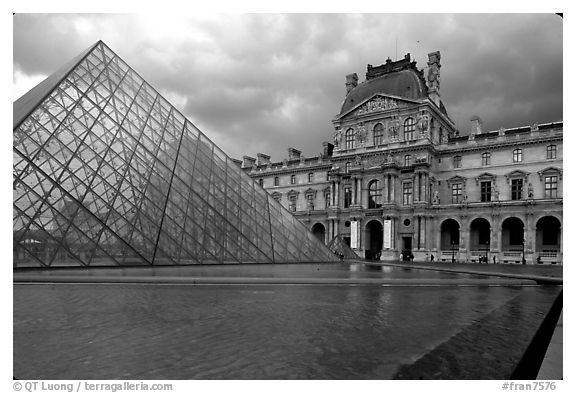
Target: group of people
x,y
407,256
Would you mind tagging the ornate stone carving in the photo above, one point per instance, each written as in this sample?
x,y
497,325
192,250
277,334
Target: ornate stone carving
x,y
436,198
443,135
377,104
434,71
338,137
394,128
423,122
361,134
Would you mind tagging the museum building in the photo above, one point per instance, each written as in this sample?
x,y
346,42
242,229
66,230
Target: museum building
x,y
400,181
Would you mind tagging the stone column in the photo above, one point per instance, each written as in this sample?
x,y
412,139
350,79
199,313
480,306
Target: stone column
x,y
360,185
386,189
337,194
332,192
393,194
426,188
335,228
494,238
423,232
417,179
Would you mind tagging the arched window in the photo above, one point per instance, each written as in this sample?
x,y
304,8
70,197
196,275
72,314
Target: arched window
x,y
486,158
310,177
409,127
374,195
350,136
347,167
517,155
551,152
407,160
276,181
378,134
261,182
293,179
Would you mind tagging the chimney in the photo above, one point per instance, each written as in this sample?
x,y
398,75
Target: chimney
x,y
328,148
248,162
475,125
263,159
293,154
351,82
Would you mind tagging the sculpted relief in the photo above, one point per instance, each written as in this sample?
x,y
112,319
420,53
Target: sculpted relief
x,y
423,122
394,128
377,104
338,138
361,135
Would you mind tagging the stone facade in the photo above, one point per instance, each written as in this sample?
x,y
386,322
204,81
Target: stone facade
x,y
399,180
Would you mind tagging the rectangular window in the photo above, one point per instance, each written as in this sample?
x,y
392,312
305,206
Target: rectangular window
x,y
457,161
486,158
347,197
516,191
517,155
310,201
293,179
310,177
485,191
456,192
551,152
407,193
551,186
292,203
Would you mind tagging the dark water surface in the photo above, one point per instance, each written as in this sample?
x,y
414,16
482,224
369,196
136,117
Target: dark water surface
x,y
139,331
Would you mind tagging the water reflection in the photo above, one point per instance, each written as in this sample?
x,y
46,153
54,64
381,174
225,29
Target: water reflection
x,y
243,332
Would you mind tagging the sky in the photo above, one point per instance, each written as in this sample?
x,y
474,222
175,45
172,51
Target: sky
x,y
261,83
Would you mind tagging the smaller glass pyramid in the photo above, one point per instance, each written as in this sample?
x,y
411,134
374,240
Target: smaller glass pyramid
x,y
107,172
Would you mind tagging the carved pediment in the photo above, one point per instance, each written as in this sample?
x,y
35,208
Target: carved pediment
x,y
516,174
485,177
292,193
550,171
310,191
378,103
456,179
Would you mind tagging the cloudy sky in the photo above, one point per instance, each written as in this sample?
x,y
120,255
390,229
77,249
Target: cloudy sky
x,y
265,82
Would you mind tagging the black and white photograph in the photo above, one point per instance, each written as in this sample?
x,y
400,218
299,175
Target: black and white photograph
x,y
287,196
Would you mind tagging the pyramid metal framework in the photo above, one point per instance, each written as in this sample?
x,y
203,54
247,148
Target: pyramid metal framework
x,y
107,172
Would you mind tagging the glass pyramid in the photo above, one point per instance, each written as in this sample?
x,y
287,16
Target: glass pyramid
x,y
107,172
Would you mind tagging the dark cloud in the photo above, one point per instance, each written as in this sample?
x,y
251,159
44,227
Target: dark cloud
x,y
263,83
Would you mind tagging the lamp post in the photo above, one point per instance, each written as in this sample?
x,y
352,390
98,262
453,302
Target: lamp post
x,y
487,249
453,244
523,259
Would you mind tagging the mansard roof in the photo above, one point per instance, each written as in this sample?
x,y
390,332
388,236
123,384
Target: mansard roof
x,y
396,78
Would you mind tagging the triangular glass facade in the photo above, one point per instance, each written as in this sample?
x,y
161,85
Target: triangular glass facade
x,y
107,172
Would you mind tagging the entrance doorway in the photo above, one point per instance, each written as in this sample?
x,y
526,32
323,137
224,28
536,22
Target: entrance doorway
x,y
373,236
406,248
319,231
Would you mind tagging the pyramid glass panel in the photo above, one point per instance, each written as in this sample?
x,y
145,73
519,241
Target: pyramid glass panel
x,y
107,172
